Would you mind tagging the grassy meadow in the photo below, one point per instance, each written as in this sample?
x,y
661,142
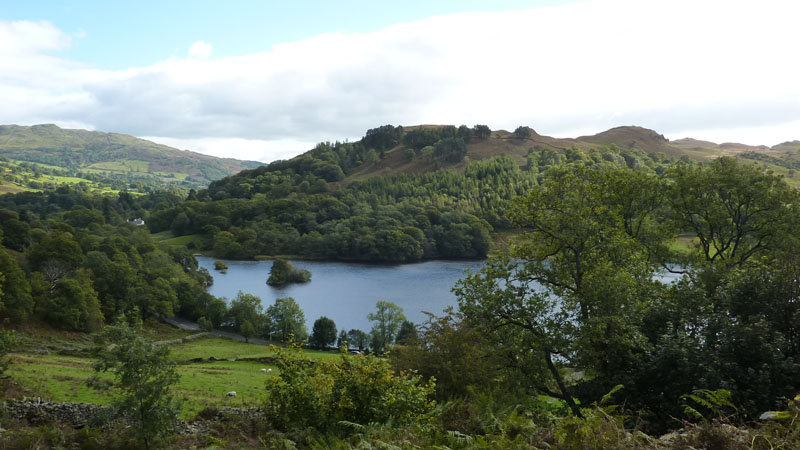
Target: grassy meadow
x,y
58,377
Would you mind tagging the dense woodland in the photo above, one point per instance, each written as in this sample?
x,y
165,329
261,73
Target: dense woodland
x,y
297,207
568,320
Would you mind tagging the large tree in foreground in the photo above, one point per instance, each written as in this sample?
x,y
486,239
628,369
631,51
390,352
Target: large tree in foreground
x,y
571,293
575,308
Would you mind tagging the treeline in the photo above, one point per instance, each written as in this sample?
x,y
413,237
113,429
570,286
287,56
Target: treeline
x,y
71,259
285,321
289,207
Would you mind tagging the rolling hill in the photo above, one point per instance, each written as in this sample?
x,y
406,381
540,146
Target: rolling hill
x,y
783,158
114,156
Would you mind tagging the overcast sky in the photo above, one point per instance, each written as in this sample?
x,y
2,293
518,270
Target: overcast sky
x,y
257,80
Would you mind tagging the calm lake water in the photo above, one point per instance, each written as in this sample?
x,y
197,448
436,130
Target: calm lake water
x,y
347,292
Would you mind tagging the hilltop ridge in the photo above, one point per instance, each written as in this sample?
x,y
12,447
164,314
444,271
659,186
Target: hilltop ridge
x,y
780,158
114,155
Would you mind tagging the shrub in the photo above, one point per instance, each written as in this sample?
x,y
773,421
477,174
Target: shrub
x,y
354,389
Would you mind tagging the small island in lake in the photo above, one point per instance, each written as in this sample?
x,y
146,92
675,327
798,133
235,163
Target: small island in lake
x,y
282,273
221,266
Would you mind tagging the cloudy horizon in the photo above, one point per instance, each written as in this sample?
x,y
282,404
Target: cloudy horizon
x,y
717,71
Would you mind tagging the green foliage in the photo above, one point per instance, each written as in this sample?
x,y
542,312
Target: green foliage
x,y
356,389
244,308
602,428
383,138
15,291
221,266
8,342
407,333
423,136
481,131
56,251
73,304
205,324
358,339
736,211
387,319
453,352
282,273
323,333
717,403
522,132
143,375
16,233
451,150
248,330
116,160
287,320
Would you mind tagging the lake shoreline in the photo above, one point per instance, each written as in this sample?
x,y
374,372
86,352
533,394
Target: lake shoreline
x,y
347,291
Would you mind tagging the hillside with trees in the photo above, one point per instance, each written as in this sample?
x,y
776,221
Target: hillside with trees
x,y
566,338
113,156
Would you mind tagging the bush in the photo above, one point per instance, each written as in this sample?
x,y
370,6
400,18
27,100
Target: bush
x,y
7,343
205,324
359,389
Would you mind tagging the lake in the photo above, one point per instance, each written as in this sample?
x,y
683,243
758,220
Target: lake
x,y
347,292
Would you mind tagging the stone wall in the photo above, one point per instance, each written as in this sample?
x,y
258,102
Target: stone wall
x,y
79,415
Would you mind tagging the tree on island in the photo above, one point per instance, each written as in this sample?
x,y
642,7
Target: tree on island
x,y
283,273
221,266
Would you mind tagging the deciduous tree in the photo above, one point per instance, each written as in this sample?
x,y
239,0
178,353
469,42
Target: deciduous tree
x,y
387,319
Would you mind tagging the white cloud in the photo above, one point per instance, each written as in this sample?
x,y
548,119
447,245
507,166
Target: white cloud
x,y
680,67
244,149
200,49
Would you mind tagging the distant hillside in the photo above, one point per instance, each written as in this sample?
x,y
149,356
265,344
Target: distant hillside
x,y
783,158
115,156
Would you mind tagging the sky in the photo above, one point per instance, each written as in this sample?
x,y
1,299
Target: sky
x,y
266,80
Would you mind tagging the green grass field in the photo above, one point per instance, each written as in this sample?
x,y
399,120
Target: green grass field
x,y
167,238
17,179
227,349
184,240
63,378
124,165
201,385
176,175
683,243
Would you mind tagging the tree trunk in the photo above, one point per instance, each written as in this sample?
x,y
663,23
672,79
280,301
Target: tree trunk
x,y
561,386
